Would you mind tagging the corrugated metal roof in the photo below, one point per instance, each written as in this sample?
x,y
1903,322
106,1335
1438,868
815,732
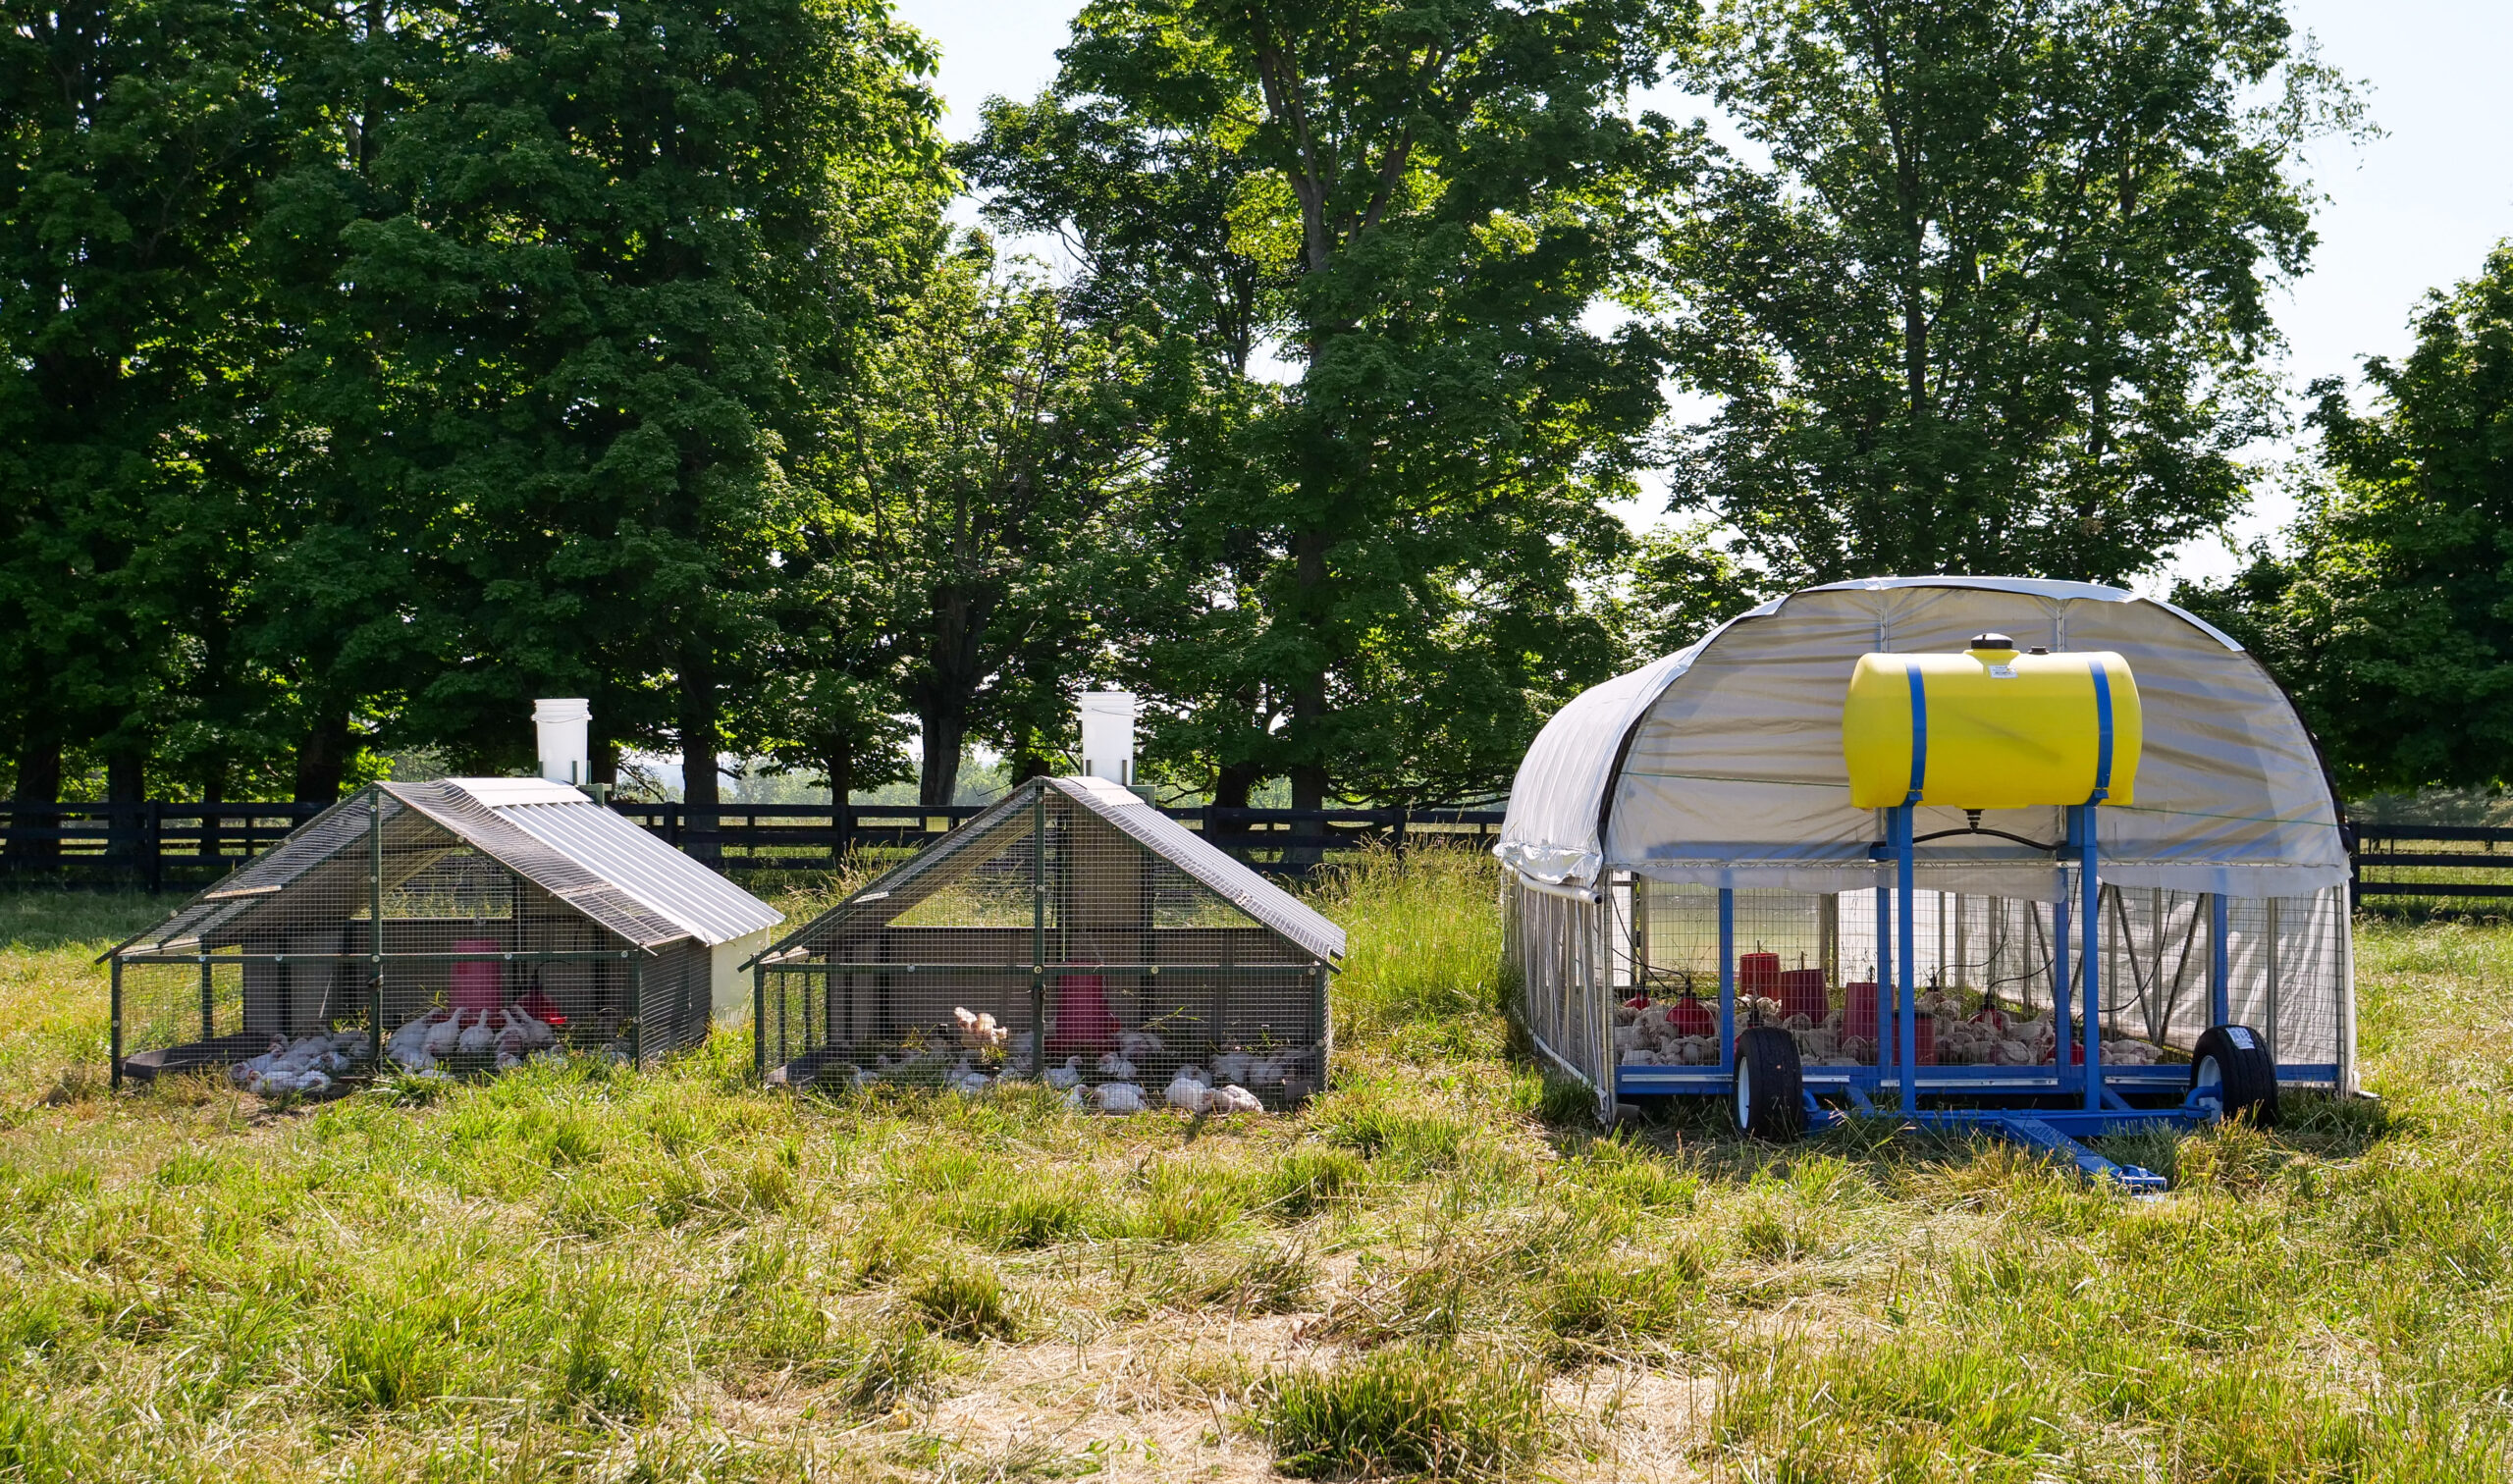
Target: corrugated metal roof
x,y
1188,851
897,890
596,863
712,907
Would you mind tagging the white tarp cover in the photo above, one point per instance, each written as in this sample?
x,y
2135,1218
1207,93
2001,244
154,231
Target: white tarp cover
x,y
1720,765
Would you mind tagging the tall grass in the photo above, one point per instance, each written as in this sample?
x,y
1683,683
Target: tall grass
x,y
588,1272
1424,966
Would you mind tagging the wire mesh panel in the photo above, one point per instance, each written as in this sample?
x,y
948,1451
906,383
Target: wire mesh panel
x,y
401,938
1556,943
1045,921
1985,971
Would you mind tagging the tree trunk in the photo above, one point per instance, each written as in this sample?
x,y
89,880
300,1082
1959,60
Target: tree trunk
x,y
842,811
958,616
1235,782
213,792
127,791
322,760
38,782
699,795
947,732
1308,701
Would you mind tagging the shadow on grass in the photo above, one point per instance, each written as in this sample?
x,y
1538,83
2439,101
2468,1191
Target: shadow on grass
x,y
2315,1126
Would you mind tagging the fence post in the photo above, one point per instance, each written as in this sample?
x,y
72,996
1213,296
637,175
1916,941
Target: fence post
x,y
156,846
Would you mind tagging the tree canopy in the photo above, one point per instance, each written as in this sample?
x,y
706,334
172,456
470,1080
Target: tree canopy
x,y
1999,299
2390,613
374,368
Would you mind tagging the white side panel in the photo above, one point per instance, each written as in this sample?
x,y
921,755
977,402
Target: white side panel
x,y
728,988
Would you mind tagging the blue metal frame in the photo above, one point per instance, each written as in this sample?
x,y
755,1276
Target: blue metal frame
x,y
1727,982
2077,986
2219,976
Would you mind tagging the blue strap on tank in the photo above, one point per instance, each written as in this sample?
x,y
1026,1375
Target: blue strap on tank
x,y
1919,735
2103,732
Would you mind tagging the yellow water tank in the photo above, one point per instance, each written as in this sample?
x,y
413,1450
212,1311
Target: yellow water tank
x,y
1991,728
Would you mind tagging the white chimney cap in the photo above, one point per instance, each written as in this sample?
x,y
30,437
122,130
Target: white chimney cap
x,y
1108,736
564,746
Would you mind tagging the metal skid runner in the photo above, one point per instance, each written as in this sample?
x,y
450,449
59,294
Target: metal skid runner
x,y
2077,721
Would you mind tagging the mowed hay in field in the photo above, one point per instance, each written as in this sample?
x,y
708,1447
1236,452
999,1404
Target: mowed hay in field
x,y
584,1272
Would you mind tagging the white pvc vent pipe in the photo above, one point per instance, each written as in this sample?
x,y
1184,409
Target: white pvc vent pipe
x,y
1108,736
563,748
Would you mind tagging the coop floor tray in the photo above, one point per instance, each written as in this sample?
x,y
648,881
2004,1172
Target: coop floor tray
x,y
219,1051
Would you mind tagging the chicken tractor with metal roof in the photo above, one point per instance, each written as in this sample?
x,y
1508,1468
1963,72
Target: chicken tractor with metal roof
x,y
1155,969
463,925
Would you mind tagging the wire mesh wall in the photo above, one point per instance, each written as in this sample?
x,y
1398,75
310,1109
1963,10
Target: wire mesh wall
x,y
1642,966
474,967
1569,977
1043,915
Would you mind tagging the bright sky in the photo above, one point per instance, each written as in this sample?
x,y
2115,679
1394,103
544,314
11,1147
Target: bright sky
x,y
2414,211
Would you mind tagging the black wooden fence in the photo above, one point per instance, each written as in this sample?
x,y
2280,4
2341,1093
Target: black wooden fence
x,y
159,846
2441,865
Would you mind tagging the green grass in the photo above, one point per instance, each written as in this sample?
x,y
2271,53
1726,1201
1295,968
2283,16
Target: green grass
x,y
1438,1269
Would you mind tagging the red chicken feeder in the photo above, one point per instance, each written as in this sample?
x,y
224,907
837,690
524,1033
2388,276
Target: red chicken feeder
x,y
478,986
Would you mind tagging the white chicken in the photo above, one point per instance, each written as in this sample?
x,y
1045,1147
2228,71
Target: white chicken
x,y
1118,1098
1135,1045
978,1032
409,1045
966,1083
476,1040
1066,1076
306,1065
1232,1066
536,1032
1231,1098
1188,1091
1115,1067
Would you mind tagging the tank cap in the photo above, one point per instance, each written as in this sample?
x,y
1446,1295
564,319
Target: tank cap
x,y
1990,642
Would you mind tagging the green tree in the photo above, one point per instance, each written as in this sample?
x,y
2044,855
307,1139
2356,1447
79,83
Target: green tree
x,y
573,301
993,435
1145,211
2391,618
1382,567
130,439
1683,586
1999,300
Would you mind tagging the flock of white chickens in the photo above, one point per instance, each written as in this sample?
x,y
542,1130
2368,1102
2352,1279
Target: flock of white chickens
x,y
1985,1035
312,1063
508,1034
960,1054
1109,1083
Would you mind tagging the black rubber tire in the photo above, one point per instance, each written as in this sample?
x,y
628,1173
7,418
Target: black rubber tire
x,y
1769,1098
2237,1058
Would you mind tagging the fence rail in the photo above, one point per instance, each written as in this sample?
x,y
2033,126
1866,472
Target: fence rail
x,y
2435,861
160,846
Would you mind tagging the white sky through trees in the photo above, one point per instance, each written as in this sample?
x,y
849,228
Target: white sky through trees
x,y
2416,210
